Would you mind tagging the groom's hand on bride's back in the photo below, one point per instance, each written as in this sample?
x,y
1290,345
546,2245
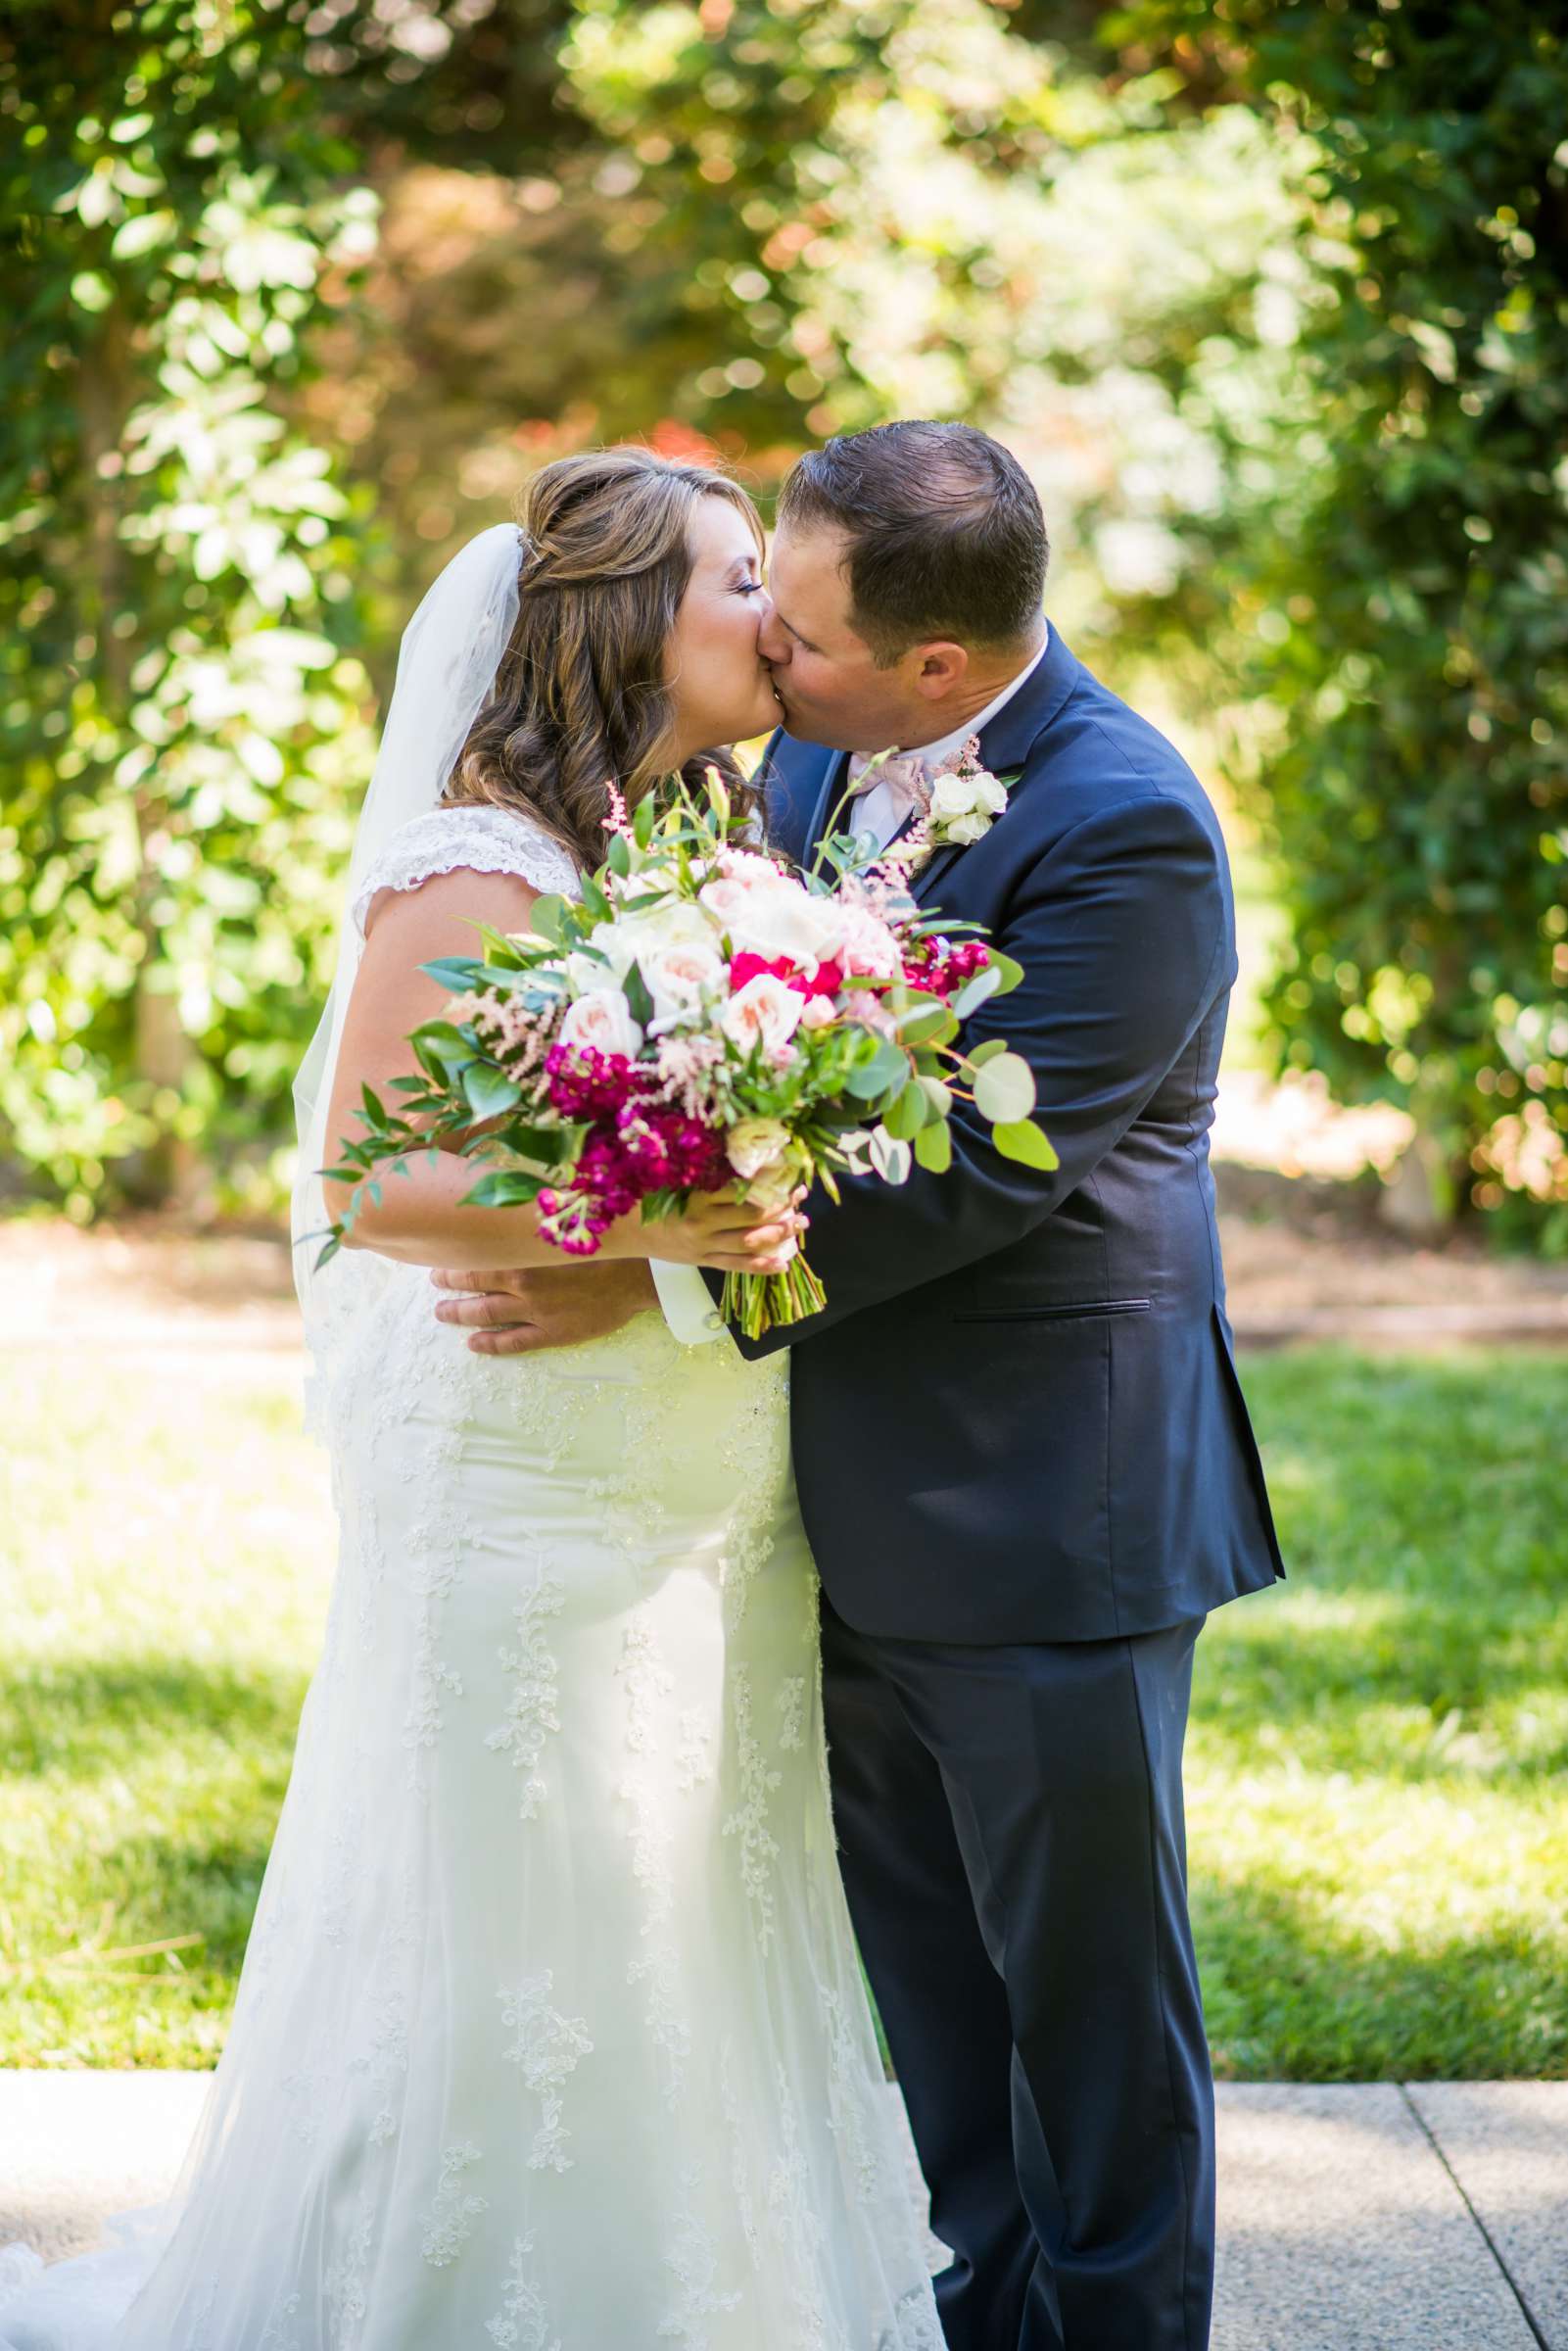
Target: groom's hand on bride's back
x,y
518,1313
519,1310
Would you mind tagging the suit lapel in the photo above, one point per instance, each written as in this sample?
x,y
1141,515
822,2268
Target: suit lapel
x,y
828,789
1007,743
800,781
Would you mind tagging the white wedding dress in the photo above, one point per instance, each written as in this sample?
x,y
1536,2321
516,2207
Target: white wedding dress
x,y
551,2035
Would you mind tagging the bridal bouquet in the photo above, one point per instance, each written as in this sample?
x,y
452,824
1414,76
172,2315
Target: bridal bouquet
x,y
702,1017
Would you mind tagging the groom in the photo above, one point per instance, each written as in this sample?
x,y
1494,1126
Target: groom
x,y
1022,1456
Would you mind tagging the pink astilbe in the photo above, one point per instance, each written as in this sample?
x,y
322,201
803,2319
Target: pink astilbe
x,y
685,1068
618,821
906,856
518,1037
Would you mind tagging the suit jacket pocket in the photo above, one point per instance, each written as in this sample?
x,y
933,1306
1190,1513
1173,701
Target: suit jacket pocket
x,y
1080,1310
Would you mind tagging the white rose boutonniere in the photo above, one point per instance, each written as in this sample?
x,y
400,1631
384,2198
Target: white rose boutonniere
x,y
963,800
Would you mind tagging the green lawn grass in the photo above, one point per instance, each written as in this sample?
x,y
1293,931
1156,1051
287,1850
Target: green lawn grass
x,y
1378,1808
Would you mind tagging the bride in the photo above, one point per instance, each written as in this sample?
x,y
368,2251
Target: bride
x,y
551,2034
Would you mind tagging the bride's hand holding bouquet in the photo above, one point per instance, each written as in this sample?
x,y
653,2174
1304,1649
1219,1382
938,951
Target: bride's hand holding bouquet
x,y
699,1038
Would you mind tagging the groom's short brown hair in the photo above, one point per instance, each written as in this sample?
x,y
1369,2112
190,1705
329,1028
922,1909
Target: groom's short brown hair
x,y
946,537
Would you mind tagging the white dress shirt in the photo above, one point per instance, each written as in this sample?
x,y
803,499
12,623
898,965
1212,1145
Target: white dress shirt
x,y
881,811
684,1295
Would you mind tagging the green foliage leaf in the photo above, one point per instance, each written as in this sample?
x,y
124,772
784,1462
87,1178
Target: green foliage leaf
x,y
930,1022
972,994
871,1078
637,996
1022,1140
1004,1088
993,1045
934,1147
907,1113
889,1156
546,917
488,1090
504,1188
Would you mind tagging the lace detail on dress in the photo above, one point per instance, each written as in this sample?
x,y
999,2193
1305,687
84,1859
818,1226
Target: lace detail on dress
x,y
520,2323
473,837
532,1711
548,2047
748,1822
694,2260
453,2213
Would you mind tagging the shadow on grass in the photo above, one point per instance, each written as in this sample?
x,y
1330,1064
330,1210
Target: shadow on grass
x,y
79,1719
1330,1687
1290,1995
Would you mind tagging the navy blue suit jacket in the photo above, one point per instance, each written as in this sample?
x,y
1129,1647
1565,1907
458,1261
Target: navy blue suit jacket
x,y
1018,1416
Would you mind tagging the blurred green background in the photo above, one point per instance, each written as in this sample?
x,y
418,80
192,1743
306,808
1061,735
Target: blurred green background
x,y
1272,301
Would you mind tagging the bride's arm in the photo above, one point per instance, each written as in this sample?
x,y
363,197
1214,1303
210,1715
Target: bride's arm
x,y
420,1219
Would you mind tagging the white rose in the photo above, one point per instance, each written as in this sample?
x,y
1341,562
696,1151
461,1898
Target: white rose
x,y
753,1145
636,937
954,796
601,1020
679,977
968,828
764,1012
772,916
788,921
992,796
725,899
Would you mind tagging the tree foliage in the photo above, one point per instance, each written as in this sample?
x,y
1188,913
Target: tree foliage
x,y
1388,600
1269,299
179,718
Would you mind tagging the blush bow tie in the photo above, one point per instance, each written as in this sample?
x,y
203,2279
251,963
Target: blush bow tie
x,y
905,775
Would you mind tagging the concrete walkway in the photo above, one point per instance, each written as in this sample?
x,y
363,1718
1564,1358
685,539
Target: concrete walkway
x,y
1428,2217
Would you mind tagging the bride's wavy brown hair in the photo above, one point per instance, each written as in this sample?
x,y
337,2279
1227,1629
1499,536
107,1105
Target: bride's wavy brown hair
x,y
580,695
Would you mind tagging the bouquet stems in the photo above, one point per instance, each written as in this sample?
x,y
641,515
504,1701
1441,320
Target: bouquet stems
x,y
759,1302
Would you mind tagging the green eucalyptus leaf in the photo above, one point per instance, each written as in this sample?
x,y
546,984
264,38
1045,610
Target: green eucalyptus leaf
x,y
930,1021
907,1113
890,1157
1003,1089
981,1054
874,1076
546,917
934,1147
973,992
1022,1140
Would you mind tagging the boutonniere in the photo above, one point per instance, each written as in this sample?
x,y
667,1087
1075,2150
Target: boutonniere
x,y
962,801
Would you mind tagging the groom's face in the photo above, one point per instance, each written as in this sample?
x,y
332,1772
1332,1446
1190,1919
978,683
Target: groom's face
x,y
826,676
